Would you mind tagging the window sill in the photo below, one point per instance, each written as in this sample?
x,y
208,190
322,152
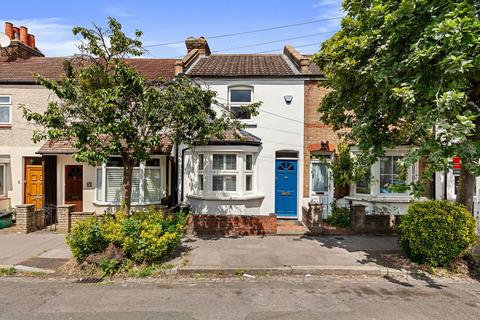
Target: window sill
x,y
134,204
226,197
401,198
5,126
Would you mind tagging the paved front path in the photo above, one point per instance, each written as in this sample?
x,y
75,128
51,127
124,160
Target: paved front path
x,y
292,298
287,251
18,248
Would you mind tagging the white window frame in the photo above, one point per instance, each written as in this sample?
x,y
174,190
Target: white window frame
x,y
240,174
225,172
249,172
239,104
9,106
4,192
312,192
375,176
142,167
201,172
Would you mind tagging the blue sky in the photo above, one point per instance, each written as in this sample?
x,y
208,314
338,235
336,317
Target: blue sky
x,y
170,21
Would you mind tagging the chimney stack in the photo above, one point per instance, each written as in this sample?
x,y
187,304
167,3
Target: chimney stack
x,y
198,43
22,44
299,60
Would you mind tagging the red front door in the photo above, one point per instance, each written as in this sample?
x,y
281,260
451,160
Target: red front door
x,y
74,186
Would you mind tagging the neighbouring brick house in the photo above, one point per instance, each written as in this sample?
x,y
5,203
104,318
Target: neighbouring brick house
x,y
46,173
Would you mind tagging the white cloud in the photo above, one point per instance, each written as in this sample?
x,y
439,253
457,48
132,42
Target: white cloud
x,y
119,12
52,36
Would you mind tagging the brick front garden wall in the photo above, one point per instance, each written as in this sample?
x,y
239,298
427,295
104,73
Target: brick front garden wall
x,y
231,225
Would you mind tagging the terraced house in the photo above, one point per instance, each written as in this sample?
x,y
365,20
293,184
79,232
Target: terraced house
x,y
240,184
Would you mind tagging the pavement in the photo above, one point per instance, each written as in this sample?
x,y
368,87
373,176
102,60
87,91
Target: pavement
x,y
41,251
297,254
292,298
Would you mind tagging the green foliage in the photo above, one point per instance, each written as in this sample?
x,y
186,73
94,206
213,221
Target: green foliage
x,y
145,236
87,237
436,232
149,236
109,266
7,271
340,217
407,72
342,166
106,107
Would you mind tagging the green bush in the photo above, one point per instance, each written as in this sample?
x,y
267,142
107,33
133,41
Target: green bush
x,y
145,236
340,217
86,237
149,236
436,232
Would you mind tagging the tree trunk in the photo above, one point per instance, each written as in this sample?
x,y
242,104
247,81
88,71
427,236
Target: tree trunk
x,y
127,186
466,189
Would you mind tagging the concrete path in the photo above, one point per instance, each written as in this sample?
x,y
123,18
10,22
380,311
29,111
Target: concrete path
x,y
329,252
38,249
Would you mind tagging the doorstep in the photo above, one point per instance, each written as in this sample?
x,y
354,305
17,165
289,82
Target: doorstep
x,y
291,228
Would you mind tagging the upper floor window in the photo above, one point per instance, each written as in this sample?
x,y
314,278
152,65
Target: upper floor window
x,y
5,110
238,97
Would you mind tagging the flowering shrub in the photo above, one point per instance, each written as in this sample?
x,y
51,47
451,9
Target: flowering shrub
x,y
145,236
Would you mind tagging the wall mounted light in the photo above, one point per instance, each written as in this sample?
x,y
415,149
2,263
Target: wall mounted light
x,y
288,98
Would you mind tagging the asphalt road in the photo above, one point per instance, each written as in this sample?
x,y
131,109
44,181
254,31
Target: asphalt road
x,y
267,298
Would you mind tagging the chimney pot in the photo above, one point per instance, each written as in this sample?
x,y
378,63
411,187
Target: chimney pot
x,y
24,35
9,30
31,41
16,33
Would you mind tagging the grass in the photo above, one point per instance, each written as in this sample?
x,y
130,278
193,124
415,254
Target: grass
x,y
4,272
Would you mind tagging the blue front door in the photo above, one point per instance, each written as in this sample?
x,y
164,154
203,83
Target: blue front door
x,y
286,188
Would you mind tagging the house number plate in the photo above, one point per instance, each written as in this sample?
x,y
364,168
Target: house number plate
x,y
285,193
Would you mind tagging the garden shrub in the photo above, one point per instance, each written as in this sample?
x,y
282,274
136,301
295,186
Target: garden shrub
x,y
340,217
436,232
87,237
145,236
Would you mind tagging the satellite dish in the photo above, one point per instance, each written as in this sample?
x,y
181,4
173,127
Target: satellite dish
x,y
4,40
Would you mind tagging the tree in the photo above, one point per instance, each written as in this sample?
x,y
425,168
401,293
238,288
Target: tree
x,y
105,107
408,72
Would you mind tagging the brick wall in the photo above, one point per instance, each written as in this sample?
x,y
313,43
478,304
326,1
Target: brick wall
x,y
315,130
231,225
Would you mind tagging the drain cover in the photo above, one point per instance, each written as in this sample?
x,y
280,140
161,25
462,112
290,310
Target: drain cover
x,y
89,280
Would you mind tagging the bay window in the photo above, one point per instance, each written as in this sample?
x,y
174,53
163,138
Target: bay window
x,y
225,172
146,181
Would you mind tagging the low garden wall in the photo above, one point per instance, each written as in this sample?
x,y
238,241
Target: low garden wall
x,y
312,218
231,225
368,223
28,219
67,218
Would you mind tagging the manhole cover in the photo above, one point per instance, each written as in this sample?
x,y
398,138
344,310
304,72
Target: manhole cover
x,y
89,280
